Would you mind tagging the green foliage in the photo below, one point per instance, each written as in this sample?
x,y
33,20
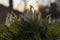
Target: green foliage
x,y
30,30
4,33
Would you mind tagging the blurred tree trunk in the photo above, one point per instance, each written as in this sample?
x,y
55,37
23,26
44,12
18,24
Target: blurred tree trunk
x,y
11,5
25,5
